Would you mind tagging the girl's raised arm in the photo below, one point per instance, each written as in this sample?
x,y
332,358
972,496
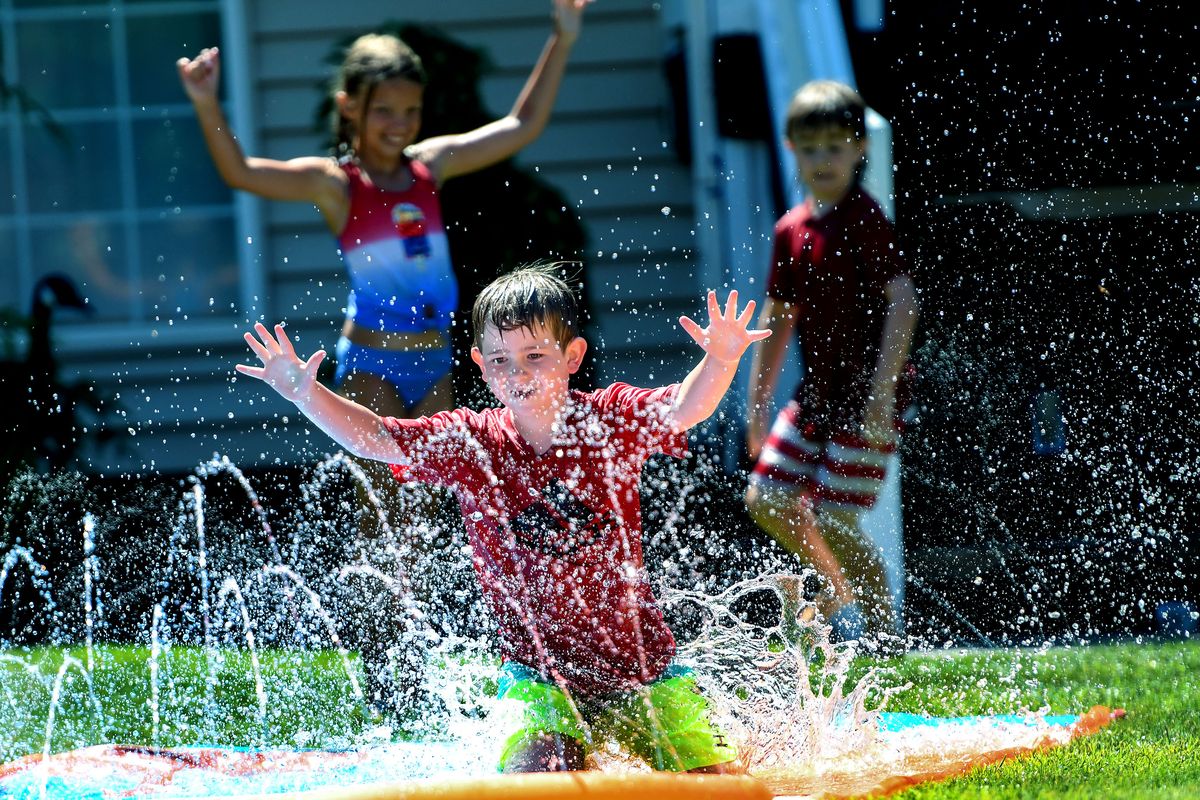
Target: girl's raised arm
x,y
459,154
312,179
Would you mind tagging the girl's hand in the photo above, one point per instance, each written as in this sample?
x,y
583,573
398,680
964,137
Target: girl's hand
x,y
200,75
281,369
727,335
568,18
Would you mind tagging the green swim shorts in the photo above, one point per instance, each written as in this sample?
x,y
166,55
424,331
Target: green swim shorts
x,y
665,722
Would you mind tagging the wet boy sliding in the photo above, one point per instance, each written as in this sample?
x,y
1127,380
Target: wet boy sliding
x,y
548,489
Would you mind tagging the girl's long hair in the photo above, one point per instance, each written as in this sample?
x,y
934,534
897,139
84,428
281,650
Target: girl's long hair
x,y
370,60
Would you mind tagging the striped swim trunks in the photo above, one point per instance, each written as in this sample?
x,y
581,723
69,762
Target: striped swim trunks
x,y
841,469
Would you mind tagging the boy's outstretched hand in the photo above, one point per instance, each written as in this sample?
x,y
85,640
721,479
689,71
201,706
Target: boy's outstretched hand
x,y
723,341
281,368
727,335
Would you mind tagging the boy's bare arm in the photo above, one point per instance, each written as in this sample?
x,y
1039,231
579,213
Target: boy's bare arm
x,y
356,428
765,365
898,326
723,341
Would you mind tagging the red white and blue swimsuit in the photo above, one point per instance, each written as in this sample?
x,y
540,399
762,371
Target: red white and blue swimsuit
x,y
401,278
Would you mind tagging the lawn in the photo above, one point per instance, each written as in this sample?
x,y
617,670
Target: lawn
x,y
1153,753
200,700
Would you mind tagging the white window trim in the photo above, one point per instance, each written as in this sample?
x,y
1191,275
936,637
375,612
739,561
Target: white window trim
x,y
248,227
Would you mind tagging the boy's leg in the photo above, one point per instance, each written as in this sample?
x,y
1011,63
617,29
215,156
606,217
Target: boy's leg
x,y
545,753
548,731
847,484
668,723
780,499
863,565
788,517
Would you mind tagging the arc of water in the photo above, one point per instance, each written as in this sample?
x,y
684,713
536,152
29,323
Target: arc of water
x,y
312,489
91,587
38,575
156,622
218,464
210,683
188,506
318,607
231,587
69,662
399,584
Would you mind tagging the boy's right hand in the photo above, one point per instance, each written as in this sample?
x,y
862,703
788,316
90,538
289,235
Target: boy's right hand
x,y
281,368
200,75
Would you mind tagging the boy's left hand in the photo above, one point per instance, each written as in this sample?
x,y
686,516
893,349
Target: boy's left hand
x,y
727,335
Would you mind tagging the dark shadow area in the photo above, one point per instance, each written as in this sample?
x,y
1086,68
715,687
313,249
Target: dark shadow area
x,y
1076,302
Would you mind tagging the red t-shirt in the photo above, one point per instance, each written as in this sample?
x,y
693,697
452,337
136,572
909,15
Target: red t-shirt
x,y
557,537
833,270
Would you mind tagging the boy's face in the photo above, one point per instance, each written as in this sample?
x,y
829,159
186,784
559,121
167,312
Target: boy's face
x,y
827,159
527,369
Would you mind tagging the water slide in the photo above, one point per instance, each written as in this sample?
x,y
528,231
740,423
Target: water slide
x,y
910,749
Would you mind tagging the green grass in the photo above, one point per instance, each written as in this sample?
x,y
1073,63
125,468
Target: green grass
x,y
200,700
1153,753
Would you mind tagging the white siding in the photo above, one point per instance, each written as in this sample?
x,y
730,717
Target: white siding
x,y
604,149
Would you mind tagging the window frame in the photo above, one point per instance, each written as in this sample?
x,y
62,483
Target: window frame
x,y
78,336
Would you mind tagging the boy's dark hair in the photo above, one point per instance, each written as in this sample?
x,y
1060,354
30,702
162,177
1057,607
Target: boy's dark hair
x,y
370,60
824,104
524,297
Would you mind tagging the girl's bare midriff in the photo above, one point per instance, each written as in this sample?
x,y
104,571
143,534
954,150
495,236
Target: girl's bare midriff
x,y
393,340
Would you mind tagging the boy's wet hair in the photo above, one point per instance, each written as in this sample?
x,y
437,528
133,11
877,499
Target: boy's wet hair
x,y
825,104
532,294
370,60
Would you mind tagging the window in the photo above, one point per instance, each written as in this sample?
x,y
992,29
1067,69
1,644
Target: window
x,y
118,190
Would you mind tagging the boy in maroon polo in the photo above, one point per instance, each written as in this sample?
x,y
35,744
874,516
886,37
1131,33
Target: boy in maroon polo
x,y
548,488
839,286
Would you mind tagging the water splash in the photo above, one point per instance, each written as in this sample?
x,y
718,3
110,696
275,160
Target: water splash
x,y
798,705
230,588
91,585
781,687
220,464
36,570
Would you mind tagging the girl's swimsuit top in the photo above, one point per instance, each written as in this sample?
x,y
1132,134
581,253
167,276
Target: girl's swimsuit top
x,y
395,248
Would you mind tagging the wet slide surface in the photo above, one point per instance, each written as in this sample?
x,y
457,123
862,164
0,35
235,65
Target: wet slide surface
x,y
912,749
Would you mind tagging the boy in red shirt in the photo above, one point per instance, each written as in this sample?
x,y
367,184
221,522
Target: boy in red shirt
x,y
839,286
548,488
